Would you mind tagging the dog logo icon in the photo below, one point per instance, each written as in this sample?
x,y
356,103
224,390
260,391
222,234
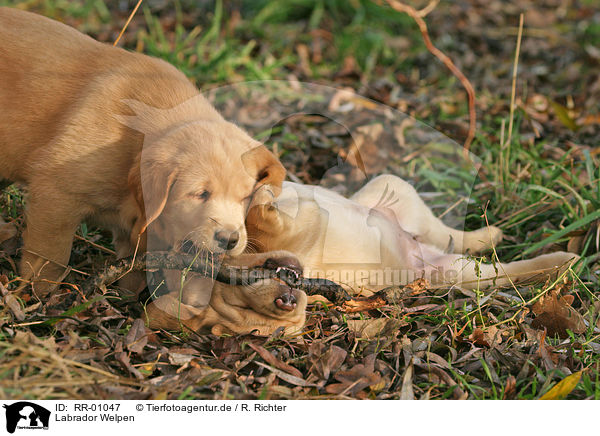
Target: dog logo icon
x,y
26,415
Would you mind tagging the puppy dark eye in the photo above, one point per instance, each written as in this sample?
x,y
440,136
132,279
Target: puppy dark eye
x,y
203,195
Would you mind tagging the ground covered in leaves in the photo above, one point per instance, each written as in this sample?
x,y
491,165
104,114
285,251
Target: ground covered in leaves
x,y
542,188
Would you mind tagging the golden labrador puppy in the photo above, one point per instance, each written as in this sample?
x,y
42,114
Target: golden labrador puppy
x,y
119,138
383,235
261,307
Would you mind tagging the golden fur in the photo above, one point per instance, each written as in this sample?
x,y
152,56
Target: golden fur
x,y
118,138
362,242
358,242
236,309
99,133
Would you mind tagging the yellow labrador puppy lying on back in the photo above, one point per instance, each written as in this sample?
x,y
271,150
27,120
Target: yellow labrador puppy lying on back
x,y
121,139
383,235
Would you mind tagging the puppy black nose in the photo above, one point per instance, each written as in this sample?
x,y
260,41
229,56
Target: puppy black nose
x,y
227,240
288,298
286,301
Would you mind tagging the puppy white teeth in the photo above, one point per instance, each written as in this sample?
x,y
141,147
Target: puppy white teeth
x,y
288,272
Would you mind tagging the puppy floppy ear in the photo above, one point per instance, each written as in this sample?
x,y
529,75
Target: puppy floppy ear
x,y
264,167
150,184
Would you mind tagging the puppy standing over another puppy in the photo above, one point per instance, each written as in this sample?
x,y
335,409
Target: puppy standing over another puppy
x,y
99,133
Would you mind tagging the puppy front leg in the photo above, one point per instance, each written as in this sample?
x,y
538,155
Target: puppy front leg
x,y
48,238
169,313
134,281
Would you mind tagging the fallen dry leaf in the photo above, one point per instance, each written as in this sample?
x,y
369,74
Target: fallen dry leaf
x,y
417,287
123,358
373,328
407,392
399,131
274,361
341,96
325,363
589,119
137,337
488,337
363,304
13,304
292,379
563,387
304,57
510,389
365,153
546,352
575,244
7,231
355,380
555,314
180,359
434,372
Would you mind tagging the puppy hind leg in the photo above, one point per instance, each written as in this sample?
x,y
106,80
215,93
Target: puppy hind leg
x,y
414,216
454,269
539,268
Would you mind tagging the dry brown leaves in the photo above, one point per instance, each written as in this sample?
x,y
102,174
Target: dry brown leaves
x,y
354,381
373,328
394,295
555,314
274,361
325,361
137,337
489,337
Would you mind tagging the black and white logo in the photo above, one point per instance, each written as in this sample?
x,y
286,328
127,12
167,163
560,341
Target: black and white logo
x,y
26,415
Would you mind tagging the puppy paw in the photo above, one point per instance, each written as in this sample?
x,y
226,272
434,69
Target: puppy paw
x,y
495,234
560,261
262,213
263,196
481,240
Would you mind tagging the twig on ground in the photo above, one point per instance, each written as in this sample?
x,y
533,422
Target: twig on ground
x,y
208,266
390,296
234,275
93,244
418,15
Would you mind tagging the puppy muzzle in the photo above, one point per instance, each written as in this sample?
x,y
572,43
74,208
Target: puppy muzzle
x,y
287,300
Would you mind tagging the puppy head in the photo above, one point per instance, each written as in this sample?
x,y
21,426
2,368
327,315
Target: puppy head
x,y
272,297
263,306
193,185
